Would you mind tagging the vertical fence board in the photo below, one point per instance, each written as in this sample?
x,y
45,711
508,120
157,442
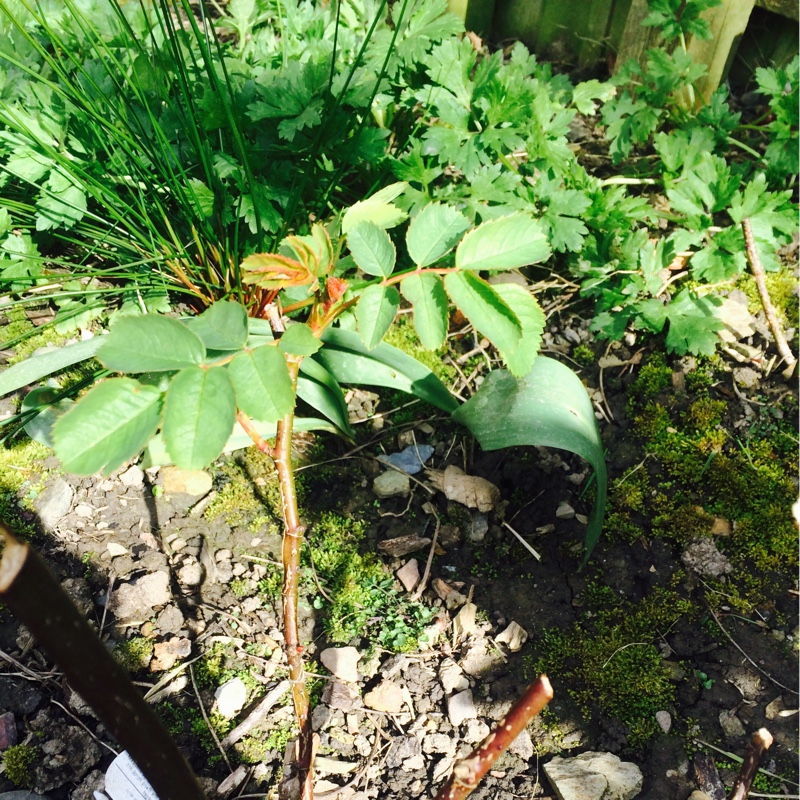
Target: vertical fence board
x,y
634,40
477,14
593,36
727,22
518,19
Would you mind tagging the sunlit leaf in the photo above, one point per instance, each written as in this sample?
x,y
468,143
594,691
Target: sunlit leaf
x,y
199,413
375,312
505,243
108,426
150,343
434,232
262,383
317,387
223,326
378,209
426,294
372,249
519,360
299,340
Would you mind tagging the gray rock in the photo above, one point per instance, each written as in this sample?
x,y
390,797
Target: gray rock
x,y
95,781
54,503
731,725
479,528
19,696
191,573
702,556
387,696
438,743
746,377
476,730
341,695
138,598
565,511
341,662
594,776
452,676
664,720
411,460
522,746
132,477
170,620
391,484
460,708
403,747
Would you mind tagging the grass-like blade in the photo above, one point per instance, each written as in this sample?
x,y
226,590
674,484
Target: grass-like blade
x,y
317,387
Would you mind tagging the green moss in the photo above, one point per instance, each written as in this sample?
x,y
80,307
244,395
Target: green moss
x,y
654,377
584,355
402,336
17,762
134,654
782,288
610,663
238,500
19,325
182,722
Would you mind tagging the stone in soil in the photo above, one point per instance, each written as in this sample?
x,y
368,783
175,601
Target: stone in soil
x,y
54,503
460,707
167,653
594,776
387,696
231,697
133,477
8,730
341,662
185,481
408,574
342,696
391,484
136,599
702,556
452,677
513,637
19,696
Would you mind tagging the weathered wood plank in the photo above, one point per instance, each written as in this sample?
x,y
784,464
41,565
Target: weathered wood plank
x,y
727,22
628,36
786,8
593,34
477,14
518,19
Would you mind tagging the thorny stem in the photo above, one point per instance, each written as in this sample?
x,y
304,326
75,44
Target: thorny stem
x,y
468,772
292,542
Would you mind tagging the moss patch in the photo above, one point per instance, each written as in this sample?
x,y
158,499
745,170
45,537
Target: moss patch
x,y
17,762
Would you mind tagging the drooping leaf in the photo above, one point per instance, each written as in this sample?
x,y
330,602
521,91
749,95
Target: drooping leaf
x,y
505,243
520,360
262,383
299,340
223,326
346,358
426,294
199,414
108,426
434,232
40,366
485,309
549,407
317,387
150,343
375,312
372,249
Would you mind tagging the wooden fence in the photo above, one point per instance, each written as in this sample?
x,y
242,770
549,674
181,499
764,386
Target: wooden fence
x,y
587,31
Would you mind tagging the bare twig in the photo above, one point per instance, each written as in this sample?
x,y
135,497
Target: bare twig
x,y
523,542
257,716
426,574
759,744
769,310
468,772
31,592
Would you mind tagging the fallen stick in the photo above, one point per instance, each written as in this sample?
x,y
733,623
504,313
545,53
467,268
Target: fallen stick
x,y
759,744
36,598
769,309
468,772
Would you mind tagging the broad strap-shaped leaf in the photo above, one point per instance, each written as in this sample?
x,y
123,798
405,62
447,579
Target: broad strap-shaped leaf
x,y
150,344
434,232
505,243
108,426
40,366
199,414
262,383
378,209
375,312
485,309
317,387
346,358
549,407
520,360
372,249
299,340
223,326
426,294
259,332
47,409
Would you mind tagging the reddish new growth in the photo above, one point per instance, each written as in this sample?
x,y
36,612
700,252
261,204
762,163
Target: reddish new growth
x,y
467,773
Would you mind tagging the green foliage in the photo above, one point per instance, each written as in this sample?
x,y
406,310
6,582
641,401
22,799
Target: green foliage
x,y
134,654
17,763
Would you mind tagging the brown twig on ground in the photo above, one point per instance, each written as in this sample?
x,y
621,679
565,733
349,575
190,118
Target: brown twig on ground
x,y
759,744
769,310
35,597
417,593
468,772
705,770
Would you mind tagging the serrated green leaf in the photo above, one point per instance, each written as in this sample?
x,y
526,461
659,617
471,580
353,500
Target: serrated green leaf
x,y
375,312
372,249
547,408
39,366
222,326
693,324
262,383
520,360
108,426
199,414
150,344
43,402
434,232
505,243
426,294
201,198
299,340
346,358
485,309
378,209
